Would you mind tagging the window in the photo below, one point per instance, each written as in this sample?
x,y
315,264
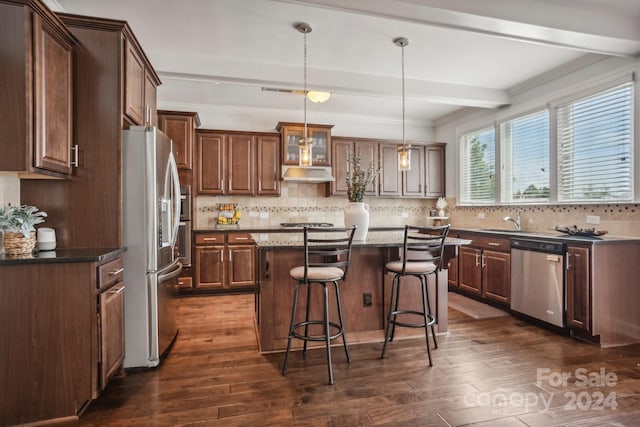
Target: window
x,y
478,181
594,147
524,159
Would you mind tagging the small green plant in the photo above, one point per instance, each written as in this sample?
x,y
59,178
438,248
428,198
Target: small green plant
x,y
20,219
358,179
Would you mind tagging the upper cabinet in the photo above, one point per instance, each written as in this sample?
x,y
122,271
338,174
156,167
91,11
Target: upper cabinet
x,y
292,133
341,147
37,105
141,82
424,179
180,126
237,163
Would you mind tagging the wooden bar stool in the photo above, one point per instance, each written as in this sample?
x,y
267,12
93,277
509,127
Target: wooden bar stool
x,y
327,252
421,255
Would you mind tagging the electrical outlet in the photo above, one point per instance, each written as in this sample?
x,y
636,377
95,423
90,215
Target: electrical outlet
x,y
254,214
593,219
366,300
404,215
264,215
481,215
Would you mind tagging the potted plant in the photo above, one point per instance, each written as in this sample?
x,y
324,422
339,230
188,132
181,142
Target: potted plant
x,y
18,224
358,180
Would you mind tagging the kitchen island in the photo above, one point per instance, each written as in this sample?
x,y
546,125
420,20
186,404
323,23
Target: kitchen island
x,y
364,295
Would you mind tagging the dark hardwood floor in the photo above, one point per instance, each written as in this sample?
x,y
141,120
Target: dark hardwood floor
x,y
498,372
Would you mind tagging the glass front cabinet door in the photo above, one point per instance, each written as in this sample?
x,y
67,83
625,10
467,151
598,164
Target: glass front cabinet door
x,y
292,133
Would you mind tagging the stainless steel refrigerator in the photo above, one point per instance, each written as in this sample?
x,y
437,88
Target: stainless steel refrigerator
x,y
151,218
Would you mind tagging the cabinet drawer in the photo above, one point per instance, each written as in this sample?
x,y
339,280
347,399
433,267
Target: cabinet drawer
x,y
110,273
494,243
210,239
239,238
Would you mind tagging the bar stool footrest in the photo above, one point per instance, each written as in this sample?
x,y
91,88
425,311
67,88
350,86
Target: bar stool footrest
x,y
432,319
339,333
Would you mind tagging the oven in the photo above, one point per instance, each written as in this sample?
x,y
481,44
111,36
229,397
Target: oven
x,y
185,203
184,243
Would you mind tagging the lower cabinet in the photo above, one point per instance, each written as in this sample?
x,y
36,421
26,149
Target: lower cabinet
x,y
63,337
224,261
484,268
578,288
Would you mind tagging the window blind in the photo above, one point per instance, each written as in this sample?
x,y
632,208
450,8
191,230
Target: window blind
x,y
524,159
595,147
478,167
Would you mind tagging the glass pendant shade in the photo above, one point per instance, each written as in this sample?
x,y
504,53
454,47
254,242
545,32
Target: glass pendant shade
x,y
305,151
404,157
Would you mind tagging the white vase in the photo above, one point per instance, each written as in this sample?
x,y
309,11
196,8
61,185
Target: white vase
x,y
441,213
357,213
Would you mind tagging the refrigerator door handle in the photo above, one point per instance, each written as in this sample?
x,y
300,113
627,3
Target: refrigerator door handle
x,y
173,168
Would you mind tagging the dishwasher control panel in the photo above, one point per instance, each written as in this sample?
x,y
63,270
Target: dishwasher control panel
x,y
538,245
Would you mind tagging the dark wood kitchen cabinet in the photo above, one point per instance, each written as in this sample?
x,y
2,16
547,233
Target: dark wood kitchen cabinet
x,y
341,147
426,178
86,211
578,287
484,268
180,126
37,106
65,339
225,261
292,133
237,163
140,85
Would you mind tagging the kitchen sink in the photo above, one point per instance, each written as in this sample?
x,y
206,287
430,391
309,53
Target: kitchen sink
x,y
502,230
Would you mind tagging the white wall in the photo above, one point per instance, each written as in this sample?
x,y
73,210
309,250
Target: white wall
x,y
9,191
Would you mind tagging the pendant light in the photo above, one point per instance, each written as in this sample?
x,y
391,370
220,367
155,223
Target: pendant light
x,y
305,144
404,150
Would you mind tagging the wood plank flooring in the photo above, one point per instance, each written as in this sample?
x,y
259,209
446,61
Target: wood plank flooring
x,y
484,374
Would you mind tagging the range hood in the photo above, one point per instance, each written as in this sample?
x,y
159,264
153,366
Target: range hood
x,y
307,174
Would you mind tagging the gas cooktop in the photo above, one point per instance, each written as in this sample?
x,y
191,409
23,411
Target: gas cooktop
x,y
305,224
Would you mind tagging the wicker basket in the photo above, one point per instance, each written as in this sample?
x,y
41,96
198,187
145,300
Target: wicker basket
x,y
16,244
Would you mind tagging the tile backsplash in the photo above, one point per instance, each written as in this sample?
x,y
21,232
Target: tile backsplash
x,y
308,203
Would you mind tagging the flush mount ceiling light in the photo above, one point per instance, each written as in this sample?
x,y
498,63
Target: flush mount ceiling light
x,y
316,96
305,144
404,150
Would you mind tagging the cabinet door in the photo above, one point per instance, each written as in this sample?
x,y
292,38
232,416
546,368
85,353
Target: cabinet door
x,y
496,276
53,99
180,130
268,166
390,177
150,102
321,137
452,272
340,153
470,270
242,265
240,158
368,151
578,288
134,100
111,332
209,266
434,156
413,180
211,163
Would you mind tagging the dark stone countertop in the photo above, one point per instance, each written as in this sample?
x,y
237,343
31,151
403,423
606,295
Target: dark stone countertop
x,y
63,256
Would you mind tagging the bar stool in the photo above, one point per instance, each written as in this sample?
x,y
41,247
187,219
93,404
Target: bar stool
x,y
421,255
327,252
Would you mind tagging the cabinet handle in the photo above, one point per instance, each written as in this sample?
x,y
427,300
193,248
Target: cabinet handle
x,y
116,291
74,161
210,239
230,256
221,256
484,262
116,272
493,244
477,260
260,185
242,238
222,184
229,187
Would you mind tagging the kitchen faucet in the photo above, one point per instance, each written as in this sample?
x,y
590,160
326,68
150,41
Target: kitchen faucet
x,y
517,221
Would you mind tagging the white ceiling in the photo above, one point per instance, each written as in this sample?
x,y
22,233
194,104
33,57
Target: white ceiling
x,y
461,53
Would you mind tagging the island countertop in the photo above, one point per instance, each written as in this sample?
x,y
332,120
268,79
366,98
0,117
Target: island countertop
x,y
63,256
374,239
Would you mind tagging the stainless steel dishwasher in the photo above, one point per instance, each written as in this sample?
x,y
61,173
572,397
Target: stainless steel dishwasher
x,y
537,279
